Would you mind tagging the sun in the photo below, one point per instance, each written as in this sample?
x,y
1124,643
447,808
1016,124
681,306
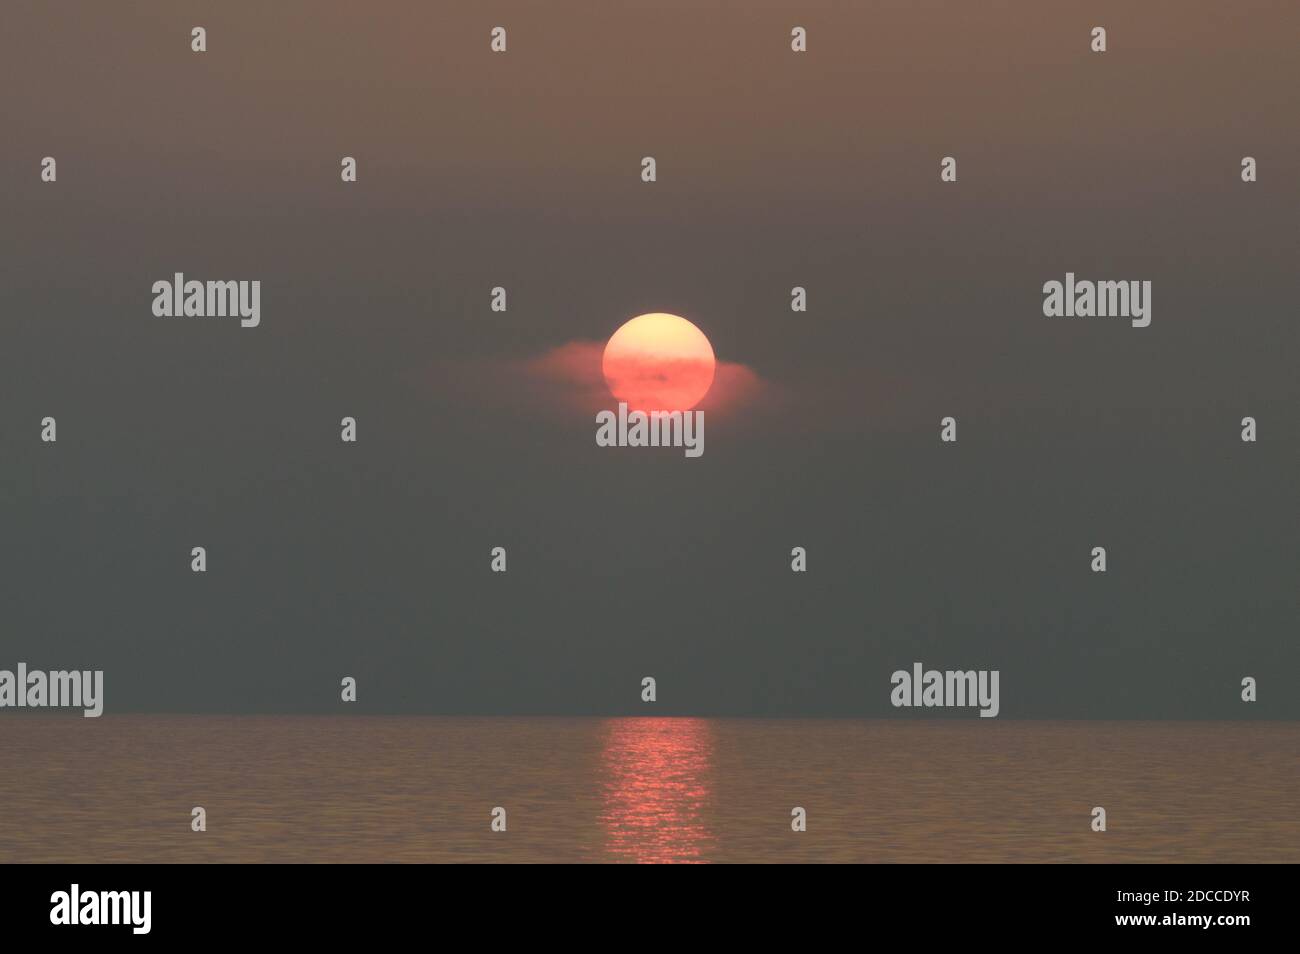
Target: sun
x,y
658,362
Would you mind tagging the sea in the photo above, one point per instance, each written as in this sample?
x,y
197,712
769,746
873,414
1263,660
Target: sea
x,y
124,788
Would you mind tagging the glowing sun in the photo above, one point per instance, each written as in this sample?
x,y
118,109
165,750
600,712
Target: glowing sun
x,y
658,362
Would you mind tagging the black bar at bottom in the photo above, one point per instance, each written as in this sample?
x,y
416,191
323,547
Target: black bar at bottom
x,y
336,902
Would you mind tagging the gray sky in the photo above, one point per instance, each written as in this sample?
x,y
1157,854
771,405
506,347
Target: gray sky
x,y
775,170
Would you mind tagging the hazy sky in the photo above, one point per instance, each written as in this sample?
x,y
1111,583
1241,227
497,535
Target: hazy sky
x,y
774,170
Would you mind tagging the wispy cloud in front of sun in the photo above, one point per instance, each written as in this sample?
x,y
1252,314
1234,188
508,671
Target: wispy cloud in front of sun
x,y
571,377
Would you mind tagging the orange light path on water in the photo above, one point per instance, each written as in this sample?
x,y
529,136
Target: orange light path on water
x,y
656,789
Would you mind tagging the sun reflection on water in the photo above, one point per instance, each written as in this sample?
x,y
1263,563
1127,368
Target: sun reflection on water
x,y
656,788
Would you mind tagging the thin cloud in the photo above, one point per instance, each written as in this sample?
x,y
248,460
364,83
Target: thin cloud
x,y
572,375
567,381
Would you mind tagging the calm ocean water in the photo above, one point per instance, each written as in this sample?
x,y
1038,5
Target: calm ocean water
x,y
415,789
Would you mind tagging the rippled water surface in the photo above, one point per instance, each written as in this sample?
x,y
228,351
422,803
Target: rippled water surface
x,y
280,788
